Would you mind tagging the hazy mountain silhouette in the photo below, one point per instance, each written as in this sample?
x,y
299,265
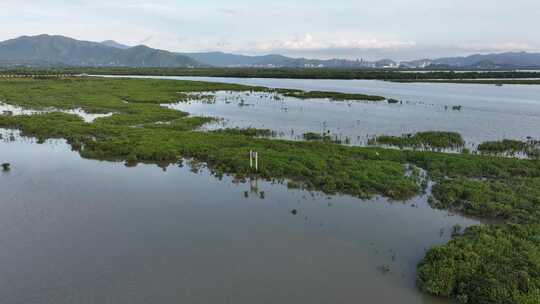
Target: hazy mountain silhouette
x,y
58,50
47,50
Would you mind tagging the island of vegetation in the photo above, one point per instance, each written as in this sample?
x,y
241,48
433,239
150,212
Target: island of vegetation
x,y
325,137
331,95
530,148
497,263
422,140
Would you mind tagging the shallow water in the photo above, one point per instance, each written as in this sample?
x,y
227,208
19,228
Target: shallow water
x,y
84,231
15,110
488,112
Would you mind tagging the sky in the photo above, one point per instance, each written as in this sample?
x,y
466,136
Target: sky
x,y
367,29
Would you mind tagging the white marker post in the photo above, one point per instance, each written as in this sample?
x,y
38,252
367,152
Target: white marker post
x,y
254,156
256,161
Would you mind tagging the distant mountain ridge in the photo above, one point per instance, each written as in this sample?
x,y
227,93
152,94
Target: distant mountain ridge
x,y
46,50
59,51
220,59
115,44
492,61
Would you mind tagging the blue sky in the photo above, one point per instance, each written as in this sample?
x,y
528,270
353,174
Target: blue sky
x,y
400,29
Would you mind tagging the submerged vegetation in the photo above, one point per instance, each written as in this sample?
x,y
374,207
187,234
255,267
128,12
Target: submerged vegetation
x,y
421,140
491,264
311,136
251,132
332,96
530,148
142,130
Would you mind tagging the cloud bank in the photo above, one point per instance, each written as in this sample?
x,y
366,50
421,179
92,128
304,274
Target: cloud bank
x,y
401,29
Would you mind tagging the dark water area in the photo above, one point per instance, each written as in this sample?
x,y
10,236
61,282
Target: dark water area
x,y
84,231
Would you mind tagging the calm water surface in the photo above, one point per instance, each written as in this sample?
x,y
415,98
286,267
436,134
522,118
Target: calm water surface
x,y
16,110
84,231
488,112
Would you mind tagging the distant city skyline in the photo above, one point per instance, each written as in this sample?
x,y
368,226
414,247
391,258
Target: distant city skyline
x,y
397,29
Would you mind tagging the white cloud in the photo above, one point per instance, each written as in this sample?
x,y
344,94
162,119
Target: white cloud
x,y
309,42
338,28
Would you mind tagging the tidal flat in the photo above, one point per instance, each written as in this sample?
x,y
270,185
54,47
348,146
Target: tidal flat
x,y
502,193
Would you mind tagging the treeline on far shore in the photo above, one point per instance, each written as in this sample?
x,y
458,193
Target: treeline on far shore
x,y
319,73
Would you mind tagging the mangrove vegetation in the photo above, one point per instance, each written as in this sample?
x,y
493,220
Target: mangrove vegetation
x,y
332,96
297,73
497,263
530,148
422,140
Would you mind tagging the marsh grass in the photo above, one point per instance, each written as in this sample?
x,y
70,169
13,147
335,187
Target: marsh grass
x,y
300,73
332,96
501,262
530,148
421,140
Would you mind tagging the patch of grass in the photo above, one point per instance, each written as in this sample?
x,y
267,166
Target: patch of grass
x,y
488,264
330,168
493,264
143,130
312,136
516,199
98,95
424,140
180,124
251,132
333,96
530,148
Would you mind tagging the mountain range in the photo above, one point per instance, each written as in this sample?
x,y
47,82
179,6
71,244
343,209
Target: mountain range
x,y
59,51
46,50
220,59
477,61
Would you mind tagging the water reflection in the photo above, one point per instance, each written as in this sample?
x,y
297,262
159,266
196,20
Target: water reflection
x,y
355,123
85,231
7,109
